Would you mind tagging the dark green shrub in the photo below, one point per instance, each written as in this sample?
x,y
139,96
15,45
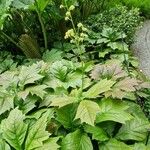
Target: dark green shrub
x,y
119,18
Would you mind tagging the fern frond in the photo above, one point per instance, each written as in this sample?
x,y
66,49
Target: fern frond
x,y
29,46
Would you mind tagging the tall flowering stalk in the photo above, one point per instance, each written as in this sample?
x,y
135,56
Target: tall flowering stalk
x,y
77,35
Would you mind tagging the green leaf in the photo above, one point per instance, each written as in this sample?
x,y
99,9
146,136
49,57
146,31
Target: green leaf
x,y
37,134
99,88
118,45
28,104
42,4
140,146
136,128
113,110
29,74
104,53
50,144
22,4
6,101
37,90
87,111
66,114
14,129
97,133
4,7
4,145
76,141
113,144
62,101
52,56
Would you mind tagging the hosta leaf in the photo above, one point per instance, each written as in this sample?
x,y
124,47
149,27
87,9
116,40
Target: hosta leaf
x,y
99,88
66,115
62,101
4,145
113,144
87,111
97,133
14,129
136,128
113,110
37,134
50,144
76,141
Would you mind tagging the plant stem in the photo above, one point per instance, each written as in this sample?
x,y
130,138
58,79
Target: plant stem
x,y
11,40
42,26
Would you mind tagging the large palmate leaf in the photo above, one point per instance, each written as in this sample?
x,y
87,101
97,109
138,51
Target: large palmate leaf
x,y
37,134
62,101
76,141
6,101
122,88
4,145
112,69
29,74
113,144
136,128
50,144
99,88
14,129
113,110
8,78
28,104
97,133
52,56
38,90
87,111
65,115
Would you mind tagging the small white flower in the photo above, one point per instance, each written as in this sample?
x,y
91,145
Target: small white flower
x,y
61,6
79,25
71,8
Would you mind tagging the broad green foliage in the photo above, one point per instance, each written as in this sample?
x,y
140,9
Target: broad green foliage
x,y
99,88
113,111
76,141
14,129
4,145
97,133
87,111
77,116
136,128
82,95
37,134
114,145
